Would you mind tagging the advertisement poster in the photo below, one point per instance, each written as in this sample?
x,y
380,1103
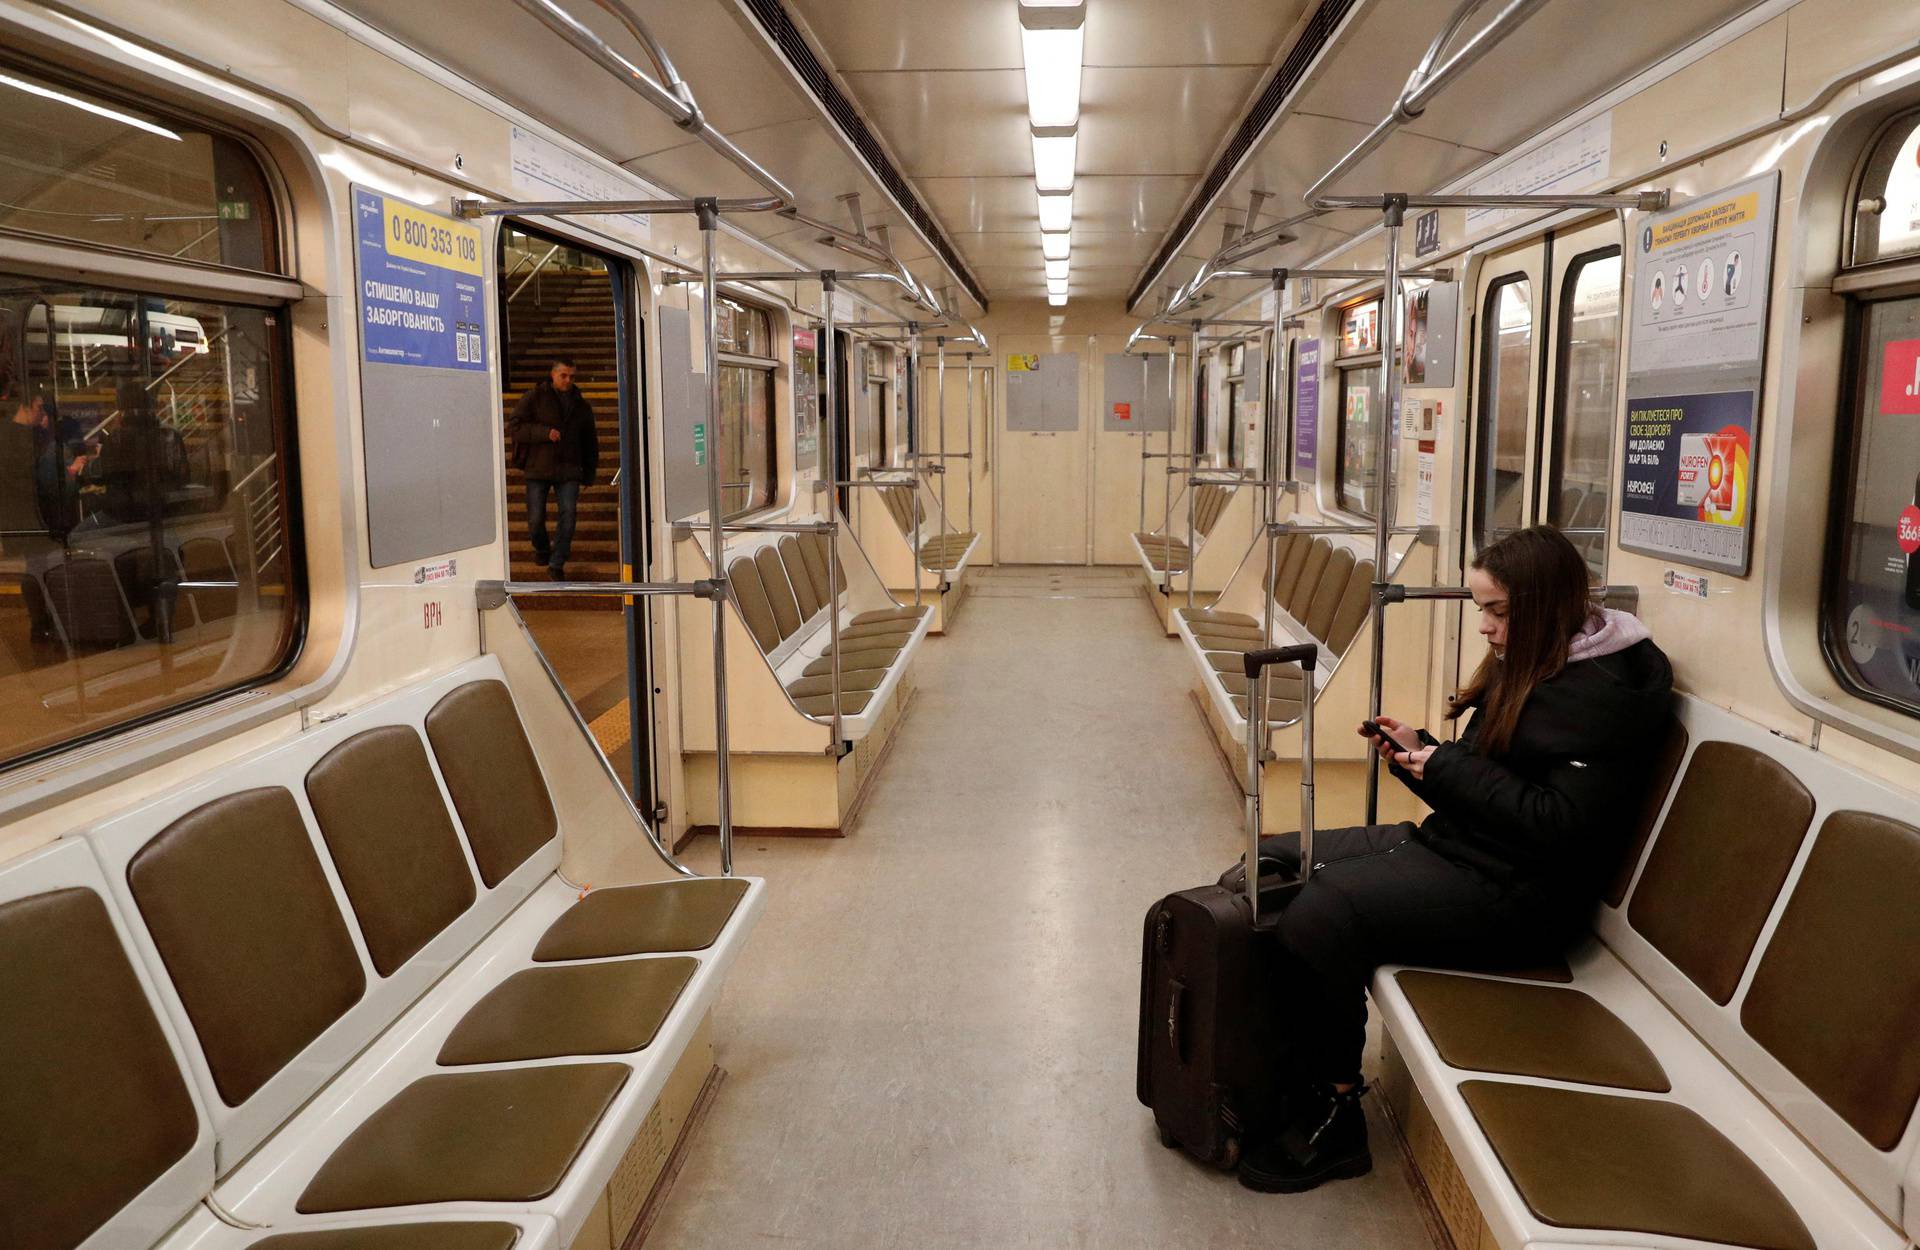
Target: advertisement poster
x,y
1688,477
1306,406
1695,357
420,297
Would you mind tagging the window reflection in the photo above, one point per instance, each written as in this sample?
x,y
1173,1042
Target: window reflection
x,y
144,553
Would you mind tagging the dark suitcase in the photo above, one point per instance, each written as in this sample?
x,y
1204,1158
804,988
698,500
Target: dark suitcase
x,y
1214,1061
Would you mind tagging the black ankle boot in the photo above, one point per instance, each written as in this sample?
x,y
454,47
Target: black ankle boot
x,y
1325,1139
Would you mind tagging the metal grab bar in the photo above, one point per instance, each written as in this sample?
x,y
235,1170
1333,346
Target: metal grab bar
x,y
579,722
1393,592
1282,528
537,267
491,593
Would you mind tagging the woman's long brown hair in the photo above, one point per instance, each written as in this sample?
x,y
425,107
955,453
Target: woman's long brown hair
x,y
1545,578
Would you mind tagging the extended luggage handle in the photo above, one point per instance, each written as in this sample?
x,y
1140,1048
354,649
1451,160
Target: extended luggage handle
x,y
1255,664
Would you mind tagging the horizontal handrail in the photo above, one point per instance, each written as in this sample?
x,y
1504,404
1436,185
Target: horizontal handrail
x,y
1282,528
1392,592
490,594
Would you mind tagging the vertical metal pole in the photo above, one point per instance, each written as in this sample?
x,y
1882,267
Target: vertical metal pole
x,y
1199,392
940,405
1393,216
708,212
1256,764
971,527
831,449
915,404
1144,440
1273,575
1166,517
1193,547
1277,453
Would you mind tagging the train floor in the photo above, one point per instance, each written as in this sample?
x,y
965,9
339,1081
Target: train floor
x,y
930,1039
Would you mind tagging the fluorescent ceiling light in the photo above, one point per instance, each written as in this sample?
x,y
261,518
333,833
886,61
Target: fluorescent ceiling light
x,y
1053,161
1057,269
1058,301
1056,246
1056,212
1056,286
99,110
1053,57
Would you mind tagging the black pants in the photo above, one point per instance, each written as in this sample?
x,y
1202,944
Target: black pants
x,y
567,496
1379,896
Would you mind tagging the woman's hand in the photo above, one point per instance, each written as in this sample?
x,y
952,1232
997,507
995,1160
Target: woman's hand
x,y
1413,763
1404,737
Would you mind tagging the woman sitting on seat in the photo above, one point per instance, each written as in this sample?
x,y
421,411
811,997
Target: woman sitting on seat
x,y
1532,805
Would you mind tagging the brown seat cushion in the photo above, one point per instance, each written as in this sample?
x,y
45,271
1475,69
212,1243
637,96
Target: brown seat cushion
x,y
906,613
493,777
507,1135
782,597
822,683
799,576
1530,1030
1222,644
392,841
1837,995
576,1009
1723,853
1212,616
1673,749
1586,1160
462,1235
892,631
93,1108
852,660
1280,707
1281,679
1351,612
852,703
750,597
642,919
246,924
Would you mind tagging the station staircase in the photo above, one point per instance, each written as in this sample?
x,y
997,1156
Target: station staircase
x,y
570,312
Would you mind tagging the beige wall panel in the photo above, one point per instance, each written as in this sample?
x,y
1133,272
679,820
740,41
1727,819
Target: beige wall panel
x,y
1728,91
1826,38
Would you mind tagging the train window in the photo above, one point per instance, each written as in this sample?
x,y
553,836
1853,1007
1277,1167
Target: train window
x,y
746,406
1236,387
89,168
1589,357
1887,221
875,412
1501,442
1873,604
146,555
1363,402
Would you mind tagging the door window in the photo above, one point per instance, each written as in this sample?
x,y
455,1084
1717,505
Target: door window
x,y
1578,480
1506,386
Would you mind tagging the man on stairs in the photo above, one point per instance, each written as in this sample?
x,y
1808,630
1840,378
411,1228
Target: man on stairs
x,y
556,447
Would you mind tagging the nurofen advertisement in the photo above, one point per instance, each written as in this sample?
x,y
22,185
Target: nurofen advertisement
x,y
1687,487
1696,355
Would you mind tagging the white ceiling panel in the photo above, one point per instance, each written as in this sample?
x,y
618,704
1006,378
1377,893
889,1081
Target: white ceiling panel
x,y
951,124
1193,32
940,83
1158,120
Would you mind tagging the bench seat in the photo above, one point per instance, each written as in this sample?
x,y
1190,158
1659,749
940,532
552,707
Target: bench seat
x,y
1734,1058
781,589
337,983
1321,595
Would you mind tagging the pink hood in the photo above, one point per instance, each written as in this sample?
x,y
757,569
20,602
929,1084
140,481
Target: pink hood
x,y
1606,632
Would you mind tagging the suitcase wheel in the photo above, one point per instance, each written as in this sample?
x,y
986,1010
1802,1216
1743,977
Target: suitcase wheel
x,y
1166,1138
1230,1154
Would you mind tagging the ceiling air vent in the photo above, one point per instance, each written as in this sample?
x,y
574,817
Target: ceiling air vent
x,y
780,31
1312,42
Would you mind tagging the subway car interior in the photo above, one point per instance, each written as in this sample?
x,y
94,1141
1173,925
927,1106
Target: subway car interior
x,y
993,623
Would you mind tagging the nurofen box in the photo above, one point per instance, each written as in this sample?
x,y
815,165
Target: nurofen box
x,y
1721,450
1690,485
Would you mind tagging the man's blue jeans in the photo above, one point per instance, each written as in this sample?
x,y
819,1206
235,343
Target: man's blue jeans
x,y
568,497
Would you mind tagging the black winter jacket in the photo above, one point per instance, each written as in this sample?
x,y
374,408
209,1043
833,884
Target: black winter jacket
x,y
576,457
1556,809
